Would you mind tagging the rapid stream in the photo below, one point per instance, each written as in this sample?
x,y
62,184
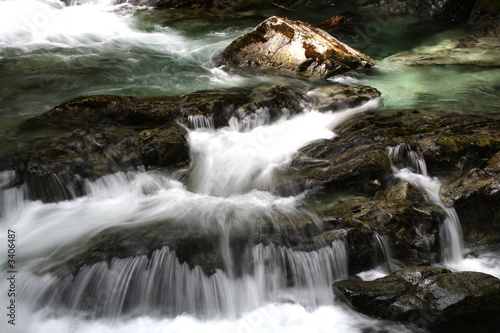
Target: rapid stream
x,y
51,51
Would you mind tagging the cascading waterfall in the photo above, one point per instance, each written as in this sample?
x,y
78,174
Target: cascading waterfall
x,y
228,192
162,285
410,166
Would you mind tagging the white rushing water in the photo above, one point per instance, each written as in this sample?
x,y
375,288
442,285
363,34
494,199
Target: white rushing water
x,y
54,52
60,50
410,166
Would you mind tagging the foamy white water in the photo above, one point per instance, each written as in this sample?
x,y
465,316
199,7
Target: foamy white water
x,y
274,317
32,24
488,263
229,161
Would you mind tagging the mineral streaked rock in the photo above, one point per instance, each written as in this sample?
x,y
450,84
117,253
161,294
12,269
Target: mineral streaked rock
x,y
283,44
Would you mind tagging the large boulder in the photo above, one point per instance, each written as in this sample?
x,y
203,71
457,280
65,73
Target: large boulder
x,y
294,46
431,297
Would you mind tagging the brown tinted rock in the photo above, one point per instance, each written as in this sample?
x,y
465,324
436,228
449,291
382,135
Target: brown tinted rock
x,y
295,46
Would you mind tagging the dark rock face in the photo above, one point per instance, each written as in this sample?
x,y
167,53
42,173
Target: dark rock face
x,y
163,147
295,46
56,170
475,197
401,214
110,110
444,301
357,162
463,143
457,10
341,165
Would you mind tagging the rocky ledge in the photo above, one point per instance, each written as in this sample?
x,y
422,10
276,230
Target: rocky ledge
x,y
97,135
432,298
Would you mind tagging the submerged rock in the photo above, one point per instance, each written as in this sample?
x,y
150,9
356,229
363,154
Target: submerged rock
x,y
481,48
336,97
432,297
483,52
295,46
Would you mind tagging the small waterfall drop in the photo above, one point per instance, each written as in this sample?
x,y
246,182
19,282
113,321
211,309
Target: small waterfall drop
x,y
410,166
384,248
163,285
200,121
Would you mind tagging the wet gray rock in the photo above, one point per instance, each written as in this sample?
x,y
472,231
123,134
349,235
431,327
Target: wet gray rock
x,y
294,46
356,164
401,213
432,297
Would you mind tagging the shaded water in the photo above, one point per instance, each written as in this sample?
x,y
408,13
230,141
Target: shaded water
x,y
51,52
